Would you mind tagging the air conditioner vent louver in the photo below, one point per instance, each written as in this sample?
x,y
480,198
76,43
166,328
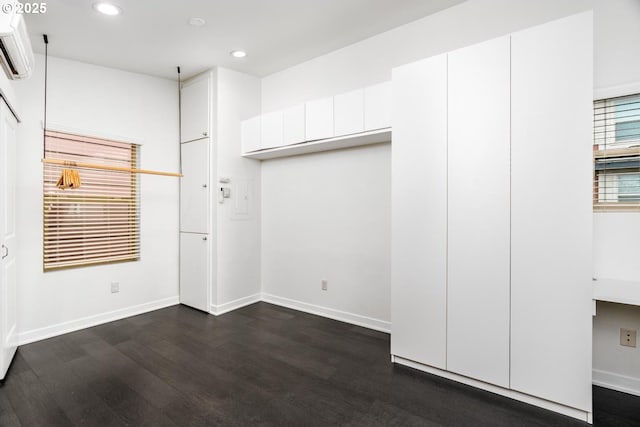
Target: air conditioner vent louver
x,y
16,55
6,60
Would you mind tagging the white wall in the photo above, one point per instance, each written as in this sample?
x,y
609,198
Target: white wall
x,y
327,216
238,228
616,237
103,102
615,366
617,36
7,92
617,245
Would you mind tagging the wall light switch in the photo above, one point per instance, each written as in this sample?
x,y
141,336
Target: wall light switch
x,y
115,287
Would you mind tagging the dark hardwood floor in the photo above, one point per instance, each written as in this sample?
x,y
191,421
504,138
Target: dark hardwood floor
x,y
262,365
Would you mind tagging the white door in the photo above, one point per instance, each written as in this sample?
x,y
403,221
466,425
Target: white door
x,y
478,217
195,109
194,187
8,285
194,261
552,84
419,200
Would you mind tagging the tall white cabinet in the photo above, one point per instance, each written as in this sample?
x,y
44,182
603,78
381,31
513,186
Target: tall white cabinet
x,y
491,243
8,239
195,194
419,200
551,209
478,212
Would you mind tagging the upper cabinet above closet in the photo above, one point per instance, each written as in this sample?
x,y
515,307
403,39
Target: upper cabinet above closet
x,y
355,118
319,119
195,109
271,129
293,125
377,106
349,113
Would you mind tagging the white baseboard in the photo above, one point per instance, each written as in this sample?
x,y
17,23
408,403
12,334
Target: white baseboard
x,y
512,394
219,309
89,321
343,316
616,382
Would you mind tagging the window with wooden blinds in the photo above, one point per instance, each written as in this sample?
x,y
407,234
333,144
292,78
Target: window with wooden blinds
x,y
98,221
616,151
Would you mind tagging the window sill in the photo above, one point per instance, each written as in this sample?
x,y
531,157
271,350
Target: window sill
x,y
615,207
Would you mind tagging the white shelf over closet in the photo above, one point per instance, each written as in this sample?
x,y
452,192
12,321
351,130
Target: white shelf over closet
x,y
355,140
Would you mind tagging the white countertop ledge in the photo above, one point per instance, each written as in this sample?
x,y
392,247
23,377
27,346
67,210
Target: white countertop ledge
x,y
619,291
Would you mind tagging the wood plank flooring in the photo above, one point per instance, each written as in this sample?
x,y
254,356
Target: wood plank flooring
x,y
262,365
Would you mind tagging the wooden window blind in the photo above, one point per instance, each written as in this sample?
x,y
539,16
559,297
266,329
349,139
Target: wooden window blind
x,y
616,153
98,222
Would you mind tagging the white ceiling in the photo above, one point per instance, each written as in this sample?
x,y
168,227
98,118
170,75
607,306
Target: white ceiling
x,y
153,36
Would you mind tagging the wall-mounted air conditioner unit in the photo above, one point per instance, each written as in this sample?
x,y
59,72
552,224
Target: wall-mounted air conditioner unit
x,y
16,55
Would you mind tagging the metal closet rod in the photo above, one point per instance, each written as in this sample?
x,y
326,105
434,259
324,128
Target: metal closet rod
x,y
107,168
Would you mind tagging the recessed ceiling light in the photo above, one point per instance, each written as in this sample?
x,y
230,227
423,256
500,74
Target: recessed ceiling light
x,y
107,8
238,53
197,22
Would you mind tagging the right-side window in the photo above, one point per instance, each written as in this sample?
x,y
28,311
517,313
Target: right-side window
x,y
616,153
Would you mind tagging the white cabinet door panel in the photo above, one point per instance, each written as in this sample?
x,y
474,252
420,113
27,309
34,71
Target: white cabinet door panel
x,y
271,130
194,261
552,86
348,110
194,187
195,109
478,217
250,138
377,106
419,200
319,119
293,125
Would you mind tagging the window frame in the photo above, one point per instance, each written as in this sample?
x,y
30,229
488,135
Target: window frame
x,y
621,149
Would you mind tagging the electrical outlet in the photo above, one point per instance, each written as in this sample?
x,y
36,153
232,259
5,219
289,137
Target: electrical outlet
x,y
115,287
628,337
324,285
